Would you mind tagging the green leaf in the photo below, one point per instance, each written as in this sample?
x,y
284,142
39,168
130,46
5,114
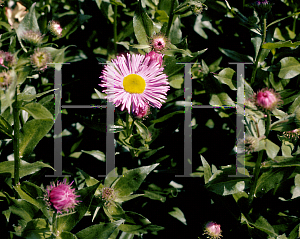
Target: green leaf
x,y
223,182
127,198
282,162
290,68
25,168
114,210
37,229
58,55
97,154
136,224
178,214
236,56
37,111
66,235
173,68
34,196
32,132
271,179
67,222
117,3
143,26
296,189
175,35
207,169
163,16
221,99
263,225
29,94
5,127
165,117
154,196
131,180
23,209
271,148
143,131
111,177
284,124
273,45
225,77
176,81
201,24
295,233
105,230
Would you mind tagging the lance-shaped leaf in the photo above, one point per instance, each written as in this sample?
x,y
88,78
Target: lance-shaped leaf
x,y
273,45
143,26
131,180
105,230
25,168
32,132
37,111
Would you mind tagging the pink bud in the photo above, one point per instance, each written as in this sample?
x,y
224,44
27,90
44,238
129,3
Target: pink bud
x,y
213,230
159,42
142,112
155,57
267,99
62,196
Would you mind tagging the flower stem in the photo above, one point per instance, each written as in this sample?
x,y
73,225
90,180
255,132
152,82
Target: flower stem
x,y
16,140
170,18
54,224
258,162
115,28
260,49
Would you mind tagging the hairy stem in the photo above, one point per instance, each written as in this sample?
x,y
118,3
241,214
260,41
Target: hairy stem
x,y
16,139
260,49
258,162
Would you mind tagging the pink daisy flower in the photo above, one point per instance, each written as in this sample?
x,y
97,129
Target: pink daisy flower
x,y
62,196
134,82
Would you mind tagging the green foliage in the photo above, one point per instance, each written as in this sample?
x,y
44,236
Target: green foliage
x,y
249,156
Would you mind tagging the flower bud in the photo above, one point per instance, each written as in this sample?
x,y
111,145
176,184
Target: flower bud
x,y
5,79
32,37
213,230
142,112
55,28
262,6
267,99
292,135
61,196
107,194
40,58
159,42
155,57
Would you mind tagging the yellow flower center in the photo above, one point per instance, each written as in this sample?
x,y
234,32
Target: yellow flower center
x,y
134,84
